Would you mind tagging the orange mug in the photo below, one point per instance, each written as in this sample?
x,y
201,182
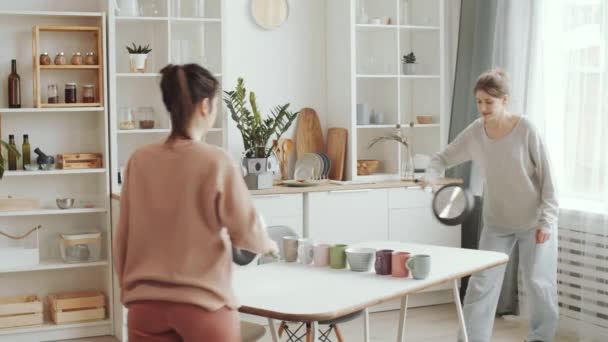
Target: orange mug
x,y
398,268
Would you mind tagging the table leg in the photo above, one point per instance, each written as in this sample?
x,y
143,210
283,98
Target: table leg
x,y
402,315
273,332
463,327
366,325
313,333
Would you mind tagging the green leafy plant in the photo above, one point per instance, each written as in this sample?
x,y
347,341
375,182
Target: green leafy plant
x,y
257,132
410,58
138,49
8,147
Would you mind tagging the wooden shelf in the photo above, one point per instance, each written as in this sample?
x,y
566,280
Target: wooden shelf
x,y
69,67
40,212
68,105
51,172
50,265
377,126
138,74
51,110
53,327
69,28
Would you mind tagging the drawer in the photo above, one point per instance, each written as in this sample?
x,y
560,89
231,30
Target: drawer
x,y
414,197
280,205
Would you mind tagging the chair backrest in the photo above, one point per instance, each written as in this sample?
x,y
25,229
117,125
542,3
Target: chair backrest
x,y
277,233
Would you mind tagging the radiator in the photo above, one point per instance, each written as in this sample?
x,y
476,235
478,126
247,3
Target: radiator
x,y
582,276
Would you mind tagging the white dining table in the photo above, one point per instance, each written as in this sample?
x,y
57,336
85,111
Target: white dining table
x,y
306,293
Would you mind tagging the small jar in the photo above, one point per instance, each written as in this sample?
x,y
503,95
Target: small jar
x,y
77,59
45,59
60,59
70,93
52,93
88,93
145,115
126,120
90,59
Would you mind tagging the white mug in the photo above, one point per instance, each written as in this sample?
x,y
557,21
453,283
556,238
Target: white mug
x,y
305,251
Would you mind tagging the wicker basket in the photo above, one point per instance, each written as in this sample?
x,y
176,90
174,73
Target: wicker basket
x,y
367,167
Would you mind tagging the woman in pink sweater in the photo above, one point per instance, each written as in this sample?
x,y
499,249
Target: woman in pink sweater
x,y
184,204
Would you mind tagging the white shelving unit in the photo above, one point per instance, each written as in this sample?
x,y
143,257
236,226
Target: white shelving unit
x,y
55,131
364,66
176,35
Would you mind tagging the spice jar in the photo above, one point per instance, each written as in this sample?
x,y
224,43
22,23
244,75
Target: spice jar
x,y
126,119
70,93
60,59
145,115
45,59
88,93
52,93
90,59
77,59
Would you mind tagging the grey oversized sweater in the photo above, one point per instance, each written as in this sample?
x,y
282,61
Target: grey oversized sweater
x,y
519,193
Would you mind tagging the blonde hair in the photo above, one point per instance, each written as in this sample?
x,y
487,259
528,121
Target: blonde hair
x,y
495,82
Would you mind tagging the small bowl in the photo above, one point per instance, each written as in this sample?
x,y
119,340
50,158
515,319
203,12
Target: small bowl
x,y
64,203
360,259
367,167
424,119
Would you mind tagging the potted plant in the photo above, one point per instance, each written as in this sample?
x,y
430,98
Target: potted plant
x,y
138,57
408,63
257,132
8,148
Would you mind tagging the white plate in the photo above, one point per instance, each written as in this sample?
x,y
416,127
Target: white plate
x,y
296,183
308,167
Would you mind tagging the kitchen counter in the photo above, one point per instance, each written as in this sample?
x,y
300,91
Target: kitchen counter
x,y
329,186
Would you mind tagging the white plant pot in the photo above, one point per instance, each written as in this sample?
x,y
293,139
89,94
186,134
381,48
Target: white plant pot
x,y
408,68
137,62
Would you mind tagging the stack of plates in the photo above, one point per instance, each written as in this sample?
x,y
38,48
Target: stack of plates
x,y
312,166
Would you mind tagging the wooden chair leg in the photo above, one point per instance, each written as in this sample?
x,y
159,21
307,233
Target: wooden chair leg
x,y
338,334
281,328
308,333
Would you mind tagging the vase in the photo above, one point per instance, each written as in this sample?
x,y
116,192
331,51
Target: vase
x,y
406,167
138,62
408,68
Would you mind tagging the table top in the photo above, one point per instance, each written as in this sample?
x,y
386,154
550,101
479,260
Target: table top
x,y
296,292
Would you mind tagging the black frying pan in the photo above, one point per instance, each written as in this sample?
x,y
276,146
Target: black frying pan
x,y
452,204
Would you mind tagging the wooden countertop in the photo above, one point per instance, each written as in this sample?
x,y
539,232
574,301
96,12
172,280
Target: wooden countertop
x,y
327,186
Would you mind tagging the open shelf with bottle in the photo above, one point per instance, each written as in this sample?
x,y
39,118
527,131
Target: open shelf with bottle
x,y
77,27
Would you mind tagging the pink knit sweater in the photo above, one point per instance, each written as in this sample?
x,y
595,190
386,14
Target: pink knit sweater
x,y
182,208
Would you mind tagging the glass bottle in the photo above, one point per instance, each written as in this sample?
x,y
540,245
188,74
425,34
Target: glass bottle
x,y
14,87
25,152
60,59
12,156
52,93
90,59
45,59
76,59
88,93
70,93
406,167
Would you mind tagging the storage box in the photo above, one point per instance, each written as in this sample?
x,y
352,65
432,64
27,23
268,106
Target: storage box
x,y
16,253
71,161
80,306
18,311
83,247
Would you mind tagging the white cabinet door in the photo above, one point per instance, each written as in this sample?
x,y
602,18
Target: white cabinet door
x,y
347,216
282,210
412,219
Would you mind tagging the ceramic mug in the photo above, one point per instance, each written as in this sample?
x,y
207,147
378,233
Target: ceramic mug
x,y
398,261
290,248
321,254
305,252
383,264
363,114
337,256
419,265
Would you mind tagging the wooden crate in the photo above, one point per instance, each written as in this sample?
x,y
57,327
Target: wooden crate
x,y
71,161
18,311
81,306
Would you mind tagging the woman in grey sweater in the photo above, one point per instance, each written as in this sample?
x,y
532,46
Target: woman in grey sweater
x,y
520,206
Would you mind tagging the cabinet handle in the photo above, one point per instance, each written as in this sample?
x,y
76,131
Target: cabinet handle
x,y
349,191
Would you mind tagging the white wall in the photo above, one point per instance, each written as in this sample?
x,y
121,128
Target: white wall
x,y
282,65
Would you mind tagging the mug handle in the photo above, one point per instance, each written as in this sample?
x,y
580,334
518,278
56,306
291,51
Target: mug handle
x,y
409,264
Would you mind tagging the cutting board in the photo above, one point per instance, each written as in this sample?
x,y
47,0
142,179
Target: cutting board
x,y
309,137
336,151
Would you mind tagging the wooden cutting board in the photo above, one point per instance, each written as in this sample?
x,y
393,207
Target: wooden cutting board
x,y
336,151
309,137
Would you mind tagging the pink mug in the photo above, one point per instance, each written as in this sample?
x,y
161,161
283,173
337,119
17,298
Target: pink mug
x,y
320,254
398,264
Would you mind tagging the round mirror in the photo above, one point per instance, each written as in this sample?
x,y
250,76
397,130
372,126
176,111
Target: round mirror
x,y
269,14
452,204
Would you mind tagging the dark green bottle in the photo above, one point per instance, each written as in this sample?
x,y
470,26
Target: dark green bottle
x,y
25,151
12,156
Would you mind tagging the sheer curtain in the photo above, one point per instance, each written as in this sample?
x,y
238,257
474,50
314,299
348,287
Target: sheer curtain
x,y
567,99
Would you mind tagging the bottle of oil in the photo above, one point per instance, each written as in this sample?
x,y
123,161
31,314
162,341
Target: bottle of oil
x,y
14,87
25,151
12,156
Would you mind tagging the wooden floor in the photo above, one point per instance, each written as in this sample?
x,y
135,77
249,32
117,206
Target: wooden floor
x,y
430,324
